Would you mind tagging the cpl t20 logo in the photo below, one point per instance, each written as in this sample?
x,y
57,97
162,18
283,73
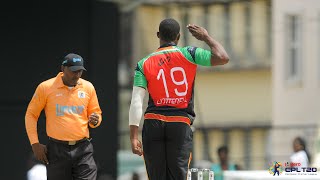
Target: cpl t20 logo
x,y
275,168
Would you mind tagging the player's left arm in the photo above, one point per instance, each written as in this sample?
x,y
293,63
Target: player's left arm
x,y
135,115
136,109
138,93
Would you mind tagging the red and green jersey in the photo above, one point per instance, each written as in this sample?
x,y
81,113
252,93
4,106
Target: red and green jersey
x,y
169,75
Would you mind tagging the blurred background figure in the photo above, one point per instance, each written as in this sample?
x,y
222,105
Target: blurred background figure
x,y
36,170
223,164
135,176
300,154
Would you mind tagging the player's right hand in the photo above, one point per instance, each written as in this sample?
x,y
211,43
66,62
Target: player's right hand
x,y
136,147
40,152
198,32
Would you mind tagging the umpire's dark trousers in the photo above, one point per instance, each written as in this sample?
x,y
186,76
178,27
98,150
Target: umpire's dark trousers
x,y
71,162
167,149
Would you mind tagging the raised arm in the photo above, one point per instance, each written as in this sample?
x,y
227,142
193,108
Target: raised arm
x,y
219,55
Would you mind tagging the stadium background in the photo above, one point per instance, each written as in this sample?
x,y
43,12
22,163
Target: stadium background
x,y
265,96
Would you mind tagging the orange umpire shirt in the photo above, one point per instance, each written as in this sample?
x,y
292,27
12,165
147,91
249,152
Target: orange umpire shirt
x,y
67,110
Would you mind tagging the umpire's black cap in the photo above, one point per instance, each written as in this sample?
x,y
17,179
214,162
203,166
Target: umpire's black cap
x,y
74,62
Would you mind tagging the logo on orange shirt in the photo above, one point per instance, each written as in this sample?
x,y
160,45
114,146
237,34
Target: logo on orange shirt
x,y
81,94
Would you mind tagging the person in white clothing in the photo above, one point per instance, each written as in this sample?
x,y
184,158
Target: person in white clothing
x,y
37,172
300,156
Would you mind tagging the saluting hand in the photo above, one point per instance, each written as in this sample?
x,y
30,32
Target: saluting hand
x,y
93,119
198,32
40,152
136,147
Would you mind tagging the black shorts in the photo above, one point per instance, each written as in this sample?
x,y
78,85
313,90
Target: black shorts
x,y
167,149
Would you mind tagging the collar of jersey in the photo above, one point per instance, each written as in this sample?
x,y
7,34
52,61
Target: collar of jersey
x,y
59,83
167,45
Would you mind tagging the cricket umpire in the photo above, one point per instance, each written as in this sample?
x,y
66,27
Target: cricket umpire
x,y
71,106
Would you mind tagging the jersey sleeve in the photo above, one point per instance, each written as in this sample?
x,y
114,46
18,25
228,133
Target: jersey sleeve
x,y
203,57
197,55
139,77
34,109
